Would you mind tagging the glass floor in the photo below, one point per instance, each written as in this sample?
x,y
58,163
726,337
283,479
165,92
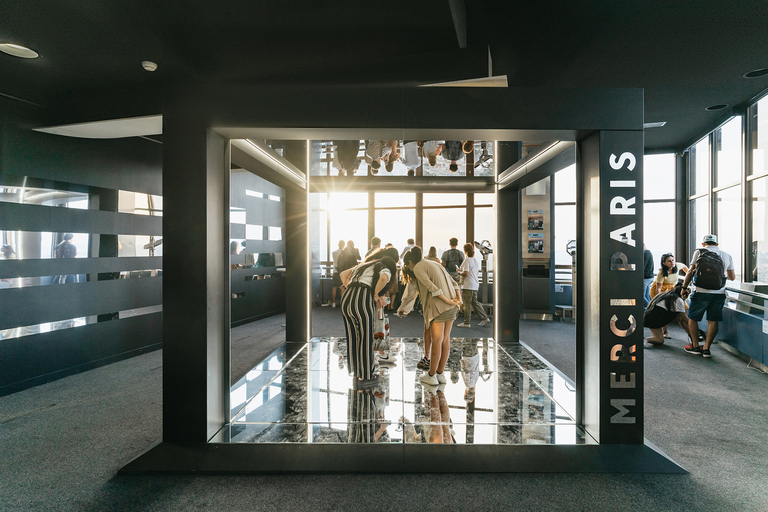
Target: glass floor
x,y
303,393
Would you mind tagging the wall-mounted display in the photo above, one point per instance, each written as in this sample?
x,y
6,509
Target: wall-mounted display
x,y
536,219
535,242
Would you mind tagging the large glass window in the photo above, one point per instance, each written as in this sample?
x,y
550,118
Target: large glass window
x,y
728,151
758,137
485,224
759,249
659,177
699,165
729,224
348,212
441,224
659,232
699,221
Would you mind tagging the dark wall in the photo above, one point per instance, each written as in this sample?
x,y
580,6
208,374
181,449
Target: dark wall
x,y
257,273
114,310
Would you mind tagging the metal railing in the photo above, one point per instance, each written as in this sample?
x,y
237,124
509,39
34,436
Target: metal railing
x,y
739,301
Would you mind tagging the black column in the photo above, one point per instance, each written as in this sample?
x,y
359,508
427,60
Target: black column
x,y
195,279
297,311
609,276
507,275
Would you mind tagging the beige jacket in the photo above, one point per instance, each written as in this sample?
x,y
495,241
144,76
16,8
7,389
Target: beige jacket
x,y
431,280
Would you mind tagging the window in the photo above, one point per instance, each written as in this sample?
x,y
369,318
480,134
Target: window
x,y
758,137
729,224
699,165
728,151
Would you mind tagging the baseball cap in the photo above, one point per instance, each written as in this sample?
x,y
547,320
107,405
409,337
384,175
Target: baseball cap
x,y
709,239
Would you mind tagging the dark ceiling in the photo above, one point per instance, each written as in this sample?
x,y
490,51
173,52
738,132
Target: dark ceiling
x,y
686,55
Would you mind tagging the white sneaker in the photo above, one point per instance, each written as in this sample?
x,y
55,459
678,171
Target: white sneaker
x,y
429,380
464,325
333,305
483,322
440,378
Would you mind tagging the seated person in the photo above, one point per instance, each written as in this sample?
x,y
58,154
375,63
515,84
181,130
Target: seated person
x,y
664,309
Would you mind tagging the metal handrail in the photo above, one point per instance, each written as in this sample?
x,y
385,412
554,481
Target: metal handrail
x,y
747,292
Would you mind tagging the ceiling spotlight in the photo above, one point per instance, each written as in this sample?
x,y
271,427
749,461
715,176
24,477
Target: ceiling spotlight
x,y
148,65
713,108
658,124
18,51
755,73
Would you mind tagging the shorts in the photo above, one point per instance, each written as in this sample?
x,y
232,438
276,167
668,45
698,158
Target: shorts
x,y
447,315
337,279
711,303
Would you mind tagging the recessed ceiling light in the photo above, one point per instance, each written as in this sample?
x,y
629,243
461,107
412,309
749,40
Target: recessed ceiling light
x,y
18,51
148,65
712,108
756,73
654,125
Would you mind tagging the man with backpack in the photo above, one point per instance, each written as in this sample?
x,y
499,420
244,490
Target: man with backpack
x,y
708,269
452,259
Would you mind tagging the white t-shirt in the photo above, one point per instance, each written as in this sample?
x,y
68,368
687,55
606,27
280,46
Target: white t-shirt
x,y
727,264
471,281
411,155
366,277
336,254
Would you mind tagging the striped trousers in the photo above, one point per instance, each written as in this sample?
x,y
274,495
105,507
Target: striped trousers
x,y
357,308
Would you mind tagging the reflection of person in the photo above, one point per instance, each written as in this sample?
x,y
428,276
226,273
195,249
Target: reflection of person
x,y
66,249
438,430
452,258
375,150
707,300
233,252
452,152
440,300
345,157
8,252
366,286
336,271
430,149
469,286
411,155
664,309
470,368
365,426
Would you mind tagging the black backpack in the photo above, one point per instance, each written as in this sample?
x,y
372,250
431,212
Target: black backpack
x,y
710,271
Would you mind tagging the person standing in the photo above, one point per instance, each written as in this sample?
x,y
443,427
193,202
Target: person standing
x,y
336,272
709,268
648,275
452,258
375,246
66,249
441,300
411,243
469,286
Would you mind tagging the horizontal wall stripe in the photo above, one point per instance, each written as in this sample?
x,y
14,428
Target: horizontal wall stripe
x,y
52,267
31,306
254,285
61,353
32,217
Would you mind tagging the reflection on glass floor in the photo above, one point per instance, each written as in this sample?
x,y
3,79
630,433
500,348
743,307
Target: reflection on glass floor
x,y
303,393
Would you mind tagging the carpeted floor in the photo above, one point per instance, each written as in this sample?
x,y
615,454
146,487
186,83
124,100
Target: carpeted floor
x,y
62,443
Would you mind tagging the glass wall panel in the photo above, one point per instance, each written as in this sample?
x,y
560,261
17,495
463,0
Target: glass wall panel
x,y
441,224
565,230
44,197
699,222
729,224
659,232
565,185
758,136
759,250
659,177
485,199
728,150
699,166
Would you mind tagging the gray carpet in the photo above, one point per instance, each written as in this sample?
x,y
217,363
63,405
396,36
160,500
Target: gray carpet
x,y
62,443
